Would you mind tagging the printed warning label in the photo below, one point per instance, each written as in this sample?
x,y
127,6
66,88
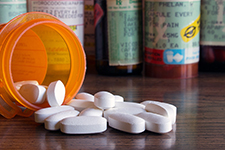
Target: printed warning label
x,y
189,32
213,22
172,56
172,31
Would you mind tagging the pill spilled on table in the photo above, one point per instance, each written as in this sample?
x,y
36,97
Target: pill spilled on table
x,y
89,114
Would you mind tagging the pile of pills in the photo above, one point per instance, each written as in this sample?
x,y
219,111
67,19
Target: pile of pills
x,y
88,114
54,93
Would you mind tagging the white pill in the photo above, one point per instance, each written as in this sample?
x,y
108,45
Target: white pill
x,y
41,114
129,110
171,109
83,125
163,103
119,98
52,122
85,96
80,105
33,93
92,111
56,93
128,104
156,123
156,108
104,100
126,122
20,83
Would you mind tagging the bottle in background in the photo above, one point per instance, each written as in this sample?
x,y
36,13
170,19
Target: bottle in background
x,y
212,40
11,8
89,34
89,30
118,37
172,38
71,12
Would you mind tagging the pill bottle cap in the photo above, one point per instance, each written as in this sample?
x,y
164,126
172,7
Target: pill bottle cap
x,y
38,46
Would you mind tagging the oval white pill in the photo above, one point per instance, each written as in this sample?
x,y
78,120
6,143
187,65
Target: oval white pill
x,y
171,109
104,100
41,114
85,96
56,93
33,93
20,83
83,125
92,111
163,103
119,98
128,104
129,110
80,104
156,108
156,123
52,122
126,122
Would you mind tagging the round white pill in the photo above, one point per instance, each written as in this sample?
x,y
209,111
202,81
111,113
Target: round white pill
x,y
126,122
20,83
85,96
33,93
52,122
41,114
92,111
104,100
83,125
156,123
119,98
80,105
56,93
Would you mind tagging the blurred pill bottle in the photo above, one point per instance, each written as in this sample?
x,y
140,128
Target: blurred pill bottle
x,y
172,38
212,39
118,37
37,46
71,12
89,31
11,8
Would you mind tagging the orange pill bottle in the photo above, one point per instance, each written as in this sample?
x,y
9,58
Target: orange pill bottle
x,y
37,46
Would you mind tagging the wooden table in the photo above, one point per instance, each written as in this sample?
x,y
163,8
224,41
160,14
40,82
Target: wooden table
x,y
200,119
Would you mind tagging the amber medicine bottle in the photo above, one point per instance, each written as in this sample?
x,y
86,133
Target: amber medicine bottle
x,y
212,49
172,38
118,37
37,46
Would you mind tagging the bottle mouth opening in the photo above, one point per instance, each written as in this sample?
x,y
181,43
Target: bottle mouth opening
x,y
45,51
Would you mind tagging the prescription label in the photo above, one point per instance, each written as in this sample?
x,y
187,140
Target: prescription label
x,y
124,18
11,8
29,61
212,22
172,31
71,12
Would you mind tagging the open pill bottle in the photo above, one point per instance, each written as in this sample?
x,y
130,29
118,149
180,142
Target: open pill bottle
x,y
37,46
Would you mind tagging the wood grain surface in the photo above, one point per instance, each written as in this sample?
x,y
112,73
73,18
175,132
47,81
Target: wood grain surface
x,y
200,120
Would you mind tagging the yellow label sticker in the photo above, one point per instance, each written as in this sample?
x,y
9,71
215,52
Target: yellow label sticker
x,y
73,27
190,31
89,8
